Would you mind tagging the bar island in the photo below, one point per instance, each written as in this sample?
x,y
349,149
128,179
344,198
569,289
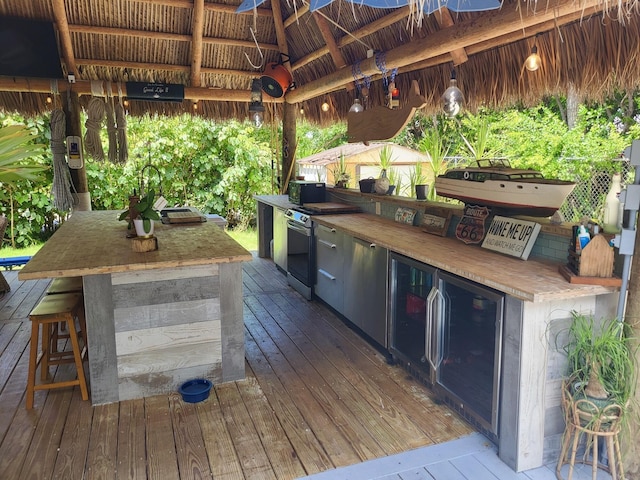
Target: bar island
x,y
154,319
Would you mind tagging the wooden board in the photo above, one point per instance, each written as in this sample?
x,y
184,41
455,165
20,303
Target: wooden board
x,y
566,272
185,217
331,207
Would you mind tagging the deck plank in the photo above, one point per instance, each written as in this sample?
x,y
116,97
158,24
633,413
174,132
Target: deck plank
x,y
131,440
103,444
192,456
253,458
162,462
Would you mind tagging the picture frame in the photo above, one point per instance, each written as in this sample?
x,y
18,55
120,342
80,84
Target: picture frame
x,y
435,220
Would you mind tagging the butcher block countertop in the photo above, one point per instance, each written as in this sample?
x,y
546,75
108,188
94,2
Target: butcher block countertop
x,y
95,242
530,280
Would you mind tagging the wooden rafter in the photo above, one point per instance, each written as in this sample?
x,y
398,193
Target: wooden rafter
x,y
65,37
212,7
281,35
176,37
393,17
196,43
83,87
445,20
330,42
488,26
296,16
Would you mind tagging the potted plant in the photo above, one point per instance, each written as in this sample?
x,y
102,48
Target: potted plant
x,y
340,175
602,365
142,213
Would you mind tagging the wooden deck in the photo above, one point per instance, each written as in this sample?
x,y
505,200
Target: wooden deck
x,y
316,398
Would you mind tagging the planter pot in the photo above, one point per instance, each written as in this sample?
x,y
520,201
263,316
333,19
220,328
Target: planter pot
x,y
421,192
139,225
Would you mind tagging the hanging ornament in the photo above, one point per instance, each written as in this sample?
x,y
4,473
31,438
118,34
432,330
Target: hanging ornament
x,y
452,98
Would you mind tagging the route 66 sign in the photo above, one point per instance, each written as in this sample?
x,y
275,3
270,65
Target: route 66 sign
x,y
471,228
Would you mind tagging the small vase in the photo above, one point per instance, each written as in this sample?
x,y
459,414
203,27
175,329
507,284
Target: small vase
x,y
421,192
139,224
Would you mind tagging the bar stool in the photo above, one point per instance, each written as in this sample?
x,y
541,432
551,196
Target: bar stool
x,y
64,285
585,418
51,310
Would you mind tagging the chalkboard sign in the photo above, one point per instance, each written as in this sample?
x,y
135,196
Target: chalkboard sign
x,y
155,92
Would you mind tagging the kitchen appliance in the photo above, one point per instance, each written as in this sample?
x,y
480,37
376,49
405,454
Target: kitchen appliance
x,y
301,192
300,252
448,331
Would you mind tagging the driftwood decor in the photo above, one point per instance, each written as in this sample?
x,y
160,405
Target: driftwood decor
x,y
382,123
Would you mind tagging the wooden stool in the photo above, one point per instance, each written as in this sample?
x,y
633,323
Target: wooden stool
x,y
63,285
584,418
51,310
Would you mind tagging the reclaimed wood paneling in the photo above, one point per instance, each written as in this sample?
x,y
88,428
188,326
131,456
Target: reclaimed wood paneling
x,y
232,325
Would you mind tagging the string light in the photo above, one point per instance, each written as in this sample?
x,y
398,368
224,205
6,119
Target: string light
x,y
325,106
533,61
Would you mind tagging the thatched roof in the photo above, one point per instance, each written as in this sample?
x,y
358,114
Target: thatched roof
x,y
204,45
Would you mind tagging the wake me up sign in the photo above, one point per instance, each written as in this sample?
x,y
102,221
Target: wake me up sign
x,y
511,236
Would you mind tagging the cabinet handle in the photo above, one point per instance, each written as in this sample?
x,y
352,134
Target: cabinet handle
x,y
328,244
333,230
326,274
372,245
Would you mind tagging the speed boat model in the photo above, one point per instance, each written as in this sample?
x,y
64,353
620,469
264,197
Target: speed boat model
x,y
494,183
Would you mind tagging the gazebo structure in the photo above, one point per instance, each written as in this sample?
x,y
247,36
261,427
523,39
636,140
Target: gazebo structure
x,y
316,57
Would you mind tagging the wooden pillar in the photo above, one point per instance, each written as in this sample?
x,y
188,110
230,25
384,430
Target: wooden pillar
x,y
289,145
71,107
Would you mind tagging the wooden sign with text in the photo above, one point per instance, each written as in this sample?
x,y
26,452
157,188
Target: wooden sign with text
x,y
511,236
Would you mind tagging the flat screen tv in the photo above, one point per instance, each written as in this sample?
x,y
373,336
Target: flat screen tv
x,y
29,49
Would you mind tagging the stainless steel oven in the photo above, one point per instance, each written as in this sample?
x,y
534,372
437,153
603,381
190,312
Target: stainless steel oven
x,y
300,252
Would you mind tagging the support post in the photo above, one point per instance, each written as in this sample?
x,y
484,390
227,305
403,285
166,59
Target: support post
x,y
71,108
289,145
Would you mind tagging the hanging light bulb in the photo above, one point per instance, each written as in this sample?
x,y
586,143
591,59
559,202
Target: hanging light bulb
x,y
452,98
356,107
533,61
256,109
325,106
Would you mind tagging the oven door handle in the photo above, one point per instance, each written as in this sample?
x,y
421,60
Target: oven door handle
x,y
327,244
326,274
299,228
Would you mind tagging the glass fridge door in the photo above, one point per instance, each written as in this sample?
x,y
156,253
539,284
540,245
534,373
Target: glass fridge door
x,y
470,338
410,285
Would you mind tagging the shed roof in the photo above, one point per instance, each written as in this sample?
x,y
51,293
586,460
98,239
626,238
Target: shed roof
x,y
211,50
364,154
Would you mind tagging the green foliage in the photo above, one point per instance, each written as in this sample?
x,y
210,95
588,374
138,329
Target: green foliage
x,y
604,351
16,148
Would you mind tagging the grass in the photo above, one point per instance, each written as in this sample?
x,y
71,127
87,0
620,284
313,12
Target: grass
x,y
247,238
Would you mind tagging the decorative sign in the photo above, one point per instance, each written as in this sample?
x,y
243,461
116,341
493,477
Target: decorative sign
x,y
436,220
159,92
471,228
511,236
405,215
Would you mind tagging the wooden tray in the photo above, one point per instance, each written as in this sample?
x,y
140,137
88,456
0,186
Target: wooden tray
x,y
566,272
330,207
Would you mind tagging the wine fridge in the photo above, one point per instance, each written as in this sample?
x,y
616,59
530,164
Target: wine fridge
x,y
448,331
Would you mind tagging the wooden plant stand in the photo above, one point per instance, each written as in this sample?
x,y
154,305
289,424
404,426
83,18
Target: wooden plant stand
x,y
584,417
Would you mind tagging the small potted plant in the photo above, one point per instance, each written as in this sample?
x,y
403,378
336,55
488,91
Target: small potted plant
x,y
340,175
142,214
602,367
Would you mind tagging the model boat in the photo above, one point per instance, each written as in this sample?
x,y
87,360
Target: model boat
x,y
494,183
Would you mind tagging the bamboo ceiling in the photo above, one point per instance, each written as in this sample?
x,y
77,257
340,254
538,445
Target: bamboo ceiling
x,y
207,47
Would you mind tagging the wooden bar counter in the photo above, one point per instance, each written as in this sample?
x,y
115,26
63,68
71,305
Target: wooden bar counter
x,y
154,319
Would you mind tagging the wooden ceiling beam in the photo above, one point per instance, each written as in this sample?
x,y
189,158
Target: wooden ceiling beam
x,y
83,87
491,25
383,22
176,37
210,7
196,43
445,20
330,42
281,35
291,19
60,15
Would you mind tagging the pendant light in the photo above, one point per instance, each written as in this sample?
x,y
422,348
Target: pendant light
x,y
357,106
533,61
256,109
452,98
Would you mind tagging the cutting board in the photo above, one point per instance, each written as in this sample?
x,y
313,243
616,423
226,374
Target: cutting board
x,y
330,207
